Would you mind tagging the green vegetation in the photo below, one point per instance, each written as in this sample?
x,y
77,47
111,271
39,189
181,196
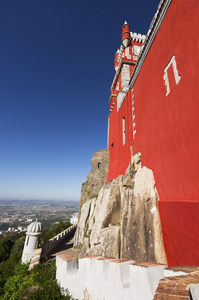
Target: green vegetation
x,y
5,248
127,186
119,234
53,231
89,233
17,282
39,283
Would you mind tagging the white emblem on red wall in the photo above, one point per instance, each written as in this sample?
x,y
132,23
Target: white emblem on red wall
x,y
175,71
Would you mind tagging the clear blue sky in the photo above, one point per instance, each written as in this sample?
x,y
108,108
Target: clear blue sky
x,y
56,69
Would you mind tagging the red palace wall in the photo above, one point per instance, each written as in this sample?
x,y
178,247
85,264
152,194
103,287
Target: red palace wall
x,y
167,129
120,154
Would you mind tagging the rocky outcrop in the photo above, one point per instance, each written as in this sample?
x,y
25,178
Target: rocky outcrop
x,y
123,220
96,178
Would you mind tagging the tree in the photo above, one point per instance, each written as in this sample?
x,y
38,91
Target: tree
x,y
5,248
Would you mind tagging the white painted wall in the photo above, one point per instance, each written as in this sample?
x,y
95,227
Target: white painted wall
x,y
29,246
195,291
107,279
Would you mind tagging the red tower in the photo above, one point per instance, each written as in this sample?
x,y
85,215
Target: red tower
x,y
126,37
121,128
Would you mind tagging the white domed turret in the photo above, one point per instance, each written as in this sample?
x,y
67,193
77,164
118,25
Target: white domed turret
x,y
35,227
34,230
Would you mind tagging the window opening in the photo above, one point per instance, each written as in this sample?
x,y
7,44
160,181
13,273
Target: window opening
x,y
27,241
99,165
123,130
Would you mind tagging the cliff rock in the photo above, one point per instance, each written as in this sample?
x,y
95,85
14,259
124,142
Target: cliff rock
x,y
96,178
121,220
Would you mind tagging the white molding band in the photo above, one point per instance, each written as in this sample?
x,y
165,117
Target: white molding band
x,y
153,29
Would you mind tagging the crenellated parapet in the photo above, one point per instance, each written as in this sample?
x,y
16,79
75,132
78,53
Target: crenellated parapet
x,y
51,244
97,277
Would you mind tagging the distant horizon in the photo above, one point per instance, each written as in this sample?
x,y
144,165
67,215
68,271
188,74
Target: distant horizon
x,y
62,200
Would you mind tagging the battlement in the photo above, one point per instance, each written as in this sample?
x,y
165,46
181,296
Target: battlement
x,y
50,245
137,37
97,277
107,278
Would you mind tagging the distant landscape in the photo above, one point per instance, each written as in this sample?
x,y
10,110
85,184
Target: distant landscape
x,y
15,215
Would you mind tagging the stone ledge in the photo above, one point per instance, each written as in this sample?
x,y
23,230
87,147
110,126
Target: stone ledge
x,y
172,292
66,257
186,269
121,260
169,297
106,258
147,264
91,256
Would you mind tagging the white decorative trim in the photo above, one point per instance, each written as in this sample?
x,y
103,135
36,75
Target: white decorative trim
x,y
133,114
175,71
123,131
153,29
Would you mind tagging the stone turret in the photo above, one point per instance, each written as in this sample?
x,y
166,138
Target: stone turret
x,y
34,230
